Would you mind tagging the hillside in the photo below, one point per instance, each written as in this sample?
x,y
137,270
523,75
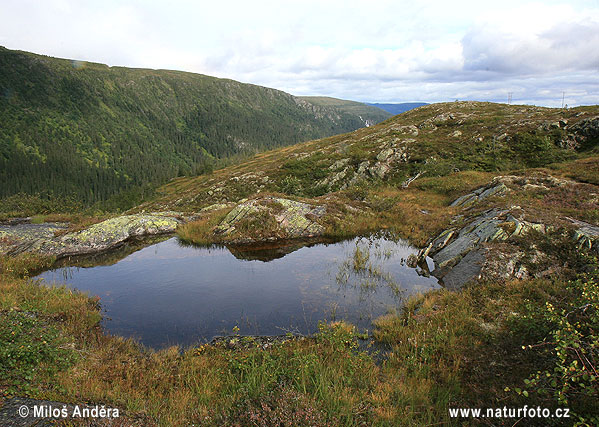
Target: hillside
x,y
395,109
371,114
90,131
432,141
503,201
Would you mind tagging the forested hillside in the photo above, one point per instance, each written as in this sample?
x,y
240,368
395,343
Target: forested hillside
x,y
369,112
91,131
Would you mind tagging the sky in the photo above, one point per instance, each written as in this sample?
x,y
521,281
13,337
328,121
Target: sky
x,y
542,52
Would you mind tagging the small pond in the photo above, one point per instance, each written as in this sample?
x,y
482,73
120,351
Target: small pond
x,y
169,293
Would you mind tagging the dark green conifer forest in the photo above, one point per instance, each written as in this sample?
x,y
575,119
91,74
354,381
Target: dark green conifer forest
x,y
91,132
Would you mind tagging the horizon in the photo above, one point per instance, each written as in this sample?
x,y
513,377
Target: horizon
x,y
77,63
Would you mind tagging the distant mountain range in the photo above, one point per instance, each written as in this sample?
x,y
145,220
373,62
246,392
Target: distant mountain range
x,y
91,131
399,108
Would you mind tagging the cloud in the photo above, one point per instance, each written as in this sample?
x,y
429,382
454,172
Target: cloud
x,y
566,47
385,50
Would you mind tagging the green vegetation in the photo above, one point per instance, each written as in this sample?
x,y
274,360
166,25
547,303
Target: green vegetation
x,y
434,141
96,133
522,342
499,342
566,338
30,348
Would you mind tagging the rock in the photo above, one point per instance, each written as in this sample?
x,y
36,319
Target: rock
x,y
437,244
385,154
496,190
99,237
586,129
483,229
362,167
469,268
534,187
455,134
411,129
379,170
330,181
339,164
503,264
465,200
287,219
450,247
587,235
20,237
480,194
427,125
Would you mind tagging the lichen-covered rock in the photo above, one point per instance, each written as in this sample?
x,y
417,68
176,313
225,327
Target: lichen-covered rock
x,y
587,128
339,164
21,236
479,194
379,170
271,218
385,154
587,235
500,185
451,250
411,129
99,237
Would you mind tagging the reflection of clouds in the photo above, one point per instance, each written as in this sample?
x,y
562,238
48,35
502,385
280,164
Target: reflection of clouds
x,y
167,292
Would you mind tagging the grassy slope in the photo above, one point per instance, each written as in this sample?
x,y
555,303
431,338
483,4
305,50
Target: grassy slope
x,y
90,130
467,349
450,166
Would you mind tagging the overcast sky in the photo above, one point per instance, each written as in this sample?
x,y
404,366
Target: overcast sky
x,y
371,51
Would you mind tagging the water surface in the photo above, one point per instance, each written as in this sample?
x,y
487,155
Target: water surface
x,y
168,293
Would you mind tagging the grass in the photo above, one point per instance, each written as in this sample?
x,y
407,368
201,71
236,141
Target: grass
x,y
200,232
447,349
491,345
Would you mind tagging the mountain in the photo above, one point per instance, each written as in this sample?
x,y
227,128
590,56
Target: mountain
x,y
370,114
399,108
90,131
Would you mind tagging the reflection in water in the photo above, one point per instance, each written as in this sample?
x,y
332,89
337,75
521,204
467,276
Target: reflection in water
x,y
168,293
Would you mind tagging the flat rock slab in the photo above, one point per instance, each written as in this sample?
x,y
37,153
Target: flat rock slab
x,y
459,255
21,236
469,268
99,237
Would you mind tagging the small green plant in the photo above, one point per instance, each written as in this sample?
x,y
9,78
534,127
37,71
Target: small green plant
x,y
572,345
30,351
291,185
535,150
38,219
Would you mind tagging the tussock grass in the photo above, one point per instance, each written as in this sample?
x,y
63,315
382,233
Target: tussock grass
x,y
200,232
